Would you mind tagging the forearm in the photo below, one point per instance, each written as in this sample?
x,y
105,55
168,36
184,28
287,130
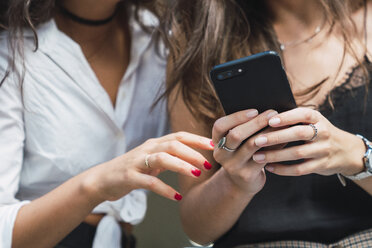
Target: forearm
x,y
211,208
48,219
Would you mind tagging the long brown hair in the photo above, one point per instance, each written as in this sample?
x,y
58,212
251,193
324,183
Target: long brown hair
x,y
204,33
18,15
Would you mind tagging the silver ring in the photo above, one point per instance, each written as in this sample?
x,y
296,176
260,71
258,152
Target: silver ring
x,y
221,145
147,161
315,132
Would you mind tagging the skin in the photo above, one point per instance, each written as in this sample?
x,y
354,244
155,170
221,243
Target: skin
x,y
70,203
213,204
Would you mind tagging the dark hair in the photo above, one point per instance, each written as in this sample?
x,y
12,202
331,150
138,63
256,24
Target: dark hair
x,y
18,15
209,32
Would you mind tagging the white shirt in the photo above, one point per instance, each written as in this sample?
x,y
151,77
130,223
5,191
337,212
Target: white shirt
x,y
61,122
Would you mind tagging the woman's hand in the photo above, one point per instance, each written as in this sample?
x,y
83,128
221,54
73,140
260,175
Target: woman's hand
x,y
245,173
329,151
139,167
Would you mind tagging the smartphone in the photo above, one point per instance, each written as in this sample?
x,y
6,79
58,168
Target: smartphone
x,y
257,81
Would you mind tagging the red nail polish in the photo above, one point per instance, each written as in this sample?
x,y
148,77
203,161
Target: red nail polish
x,y
211,143
196,172
207,165
178,197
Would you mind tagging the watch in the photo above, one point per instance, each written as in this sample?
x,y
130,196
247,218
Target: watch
x,y
367,158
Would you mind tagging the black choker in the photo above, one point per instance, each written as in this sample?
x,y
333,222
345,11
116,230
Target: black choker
x,y
84,21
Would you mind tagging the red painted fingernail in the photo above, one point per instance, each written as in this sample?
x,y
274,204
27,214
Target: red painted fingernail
x,y
178,197
211,143
207,165
196,172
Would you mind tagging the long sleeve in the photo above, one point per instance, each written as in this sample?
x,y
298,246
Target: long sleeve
x,y
11,153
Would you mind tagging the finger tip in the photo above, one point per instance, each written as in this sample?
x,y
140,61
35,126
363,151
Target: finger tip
x,y
207,165
178,197
211,144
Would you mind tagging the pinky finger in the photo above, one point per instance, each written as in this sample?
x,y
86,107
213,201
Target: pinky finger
x,y
305,168
157,186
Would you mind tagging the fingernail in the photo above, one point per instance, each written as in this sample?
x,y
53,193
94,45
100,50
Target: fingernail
x,y
259,157
271,114
274,121
207,165
178,197
211,143
269,168
196,172
260,141
252,113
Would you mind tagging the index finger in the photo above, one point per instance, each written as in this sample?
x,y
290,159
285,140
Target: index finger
x,y
191,140
295,116
226,123
157,186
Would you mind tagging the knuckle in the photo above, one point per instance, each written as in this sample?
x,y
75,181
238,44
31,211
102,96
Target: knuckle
x,y
298,153
324,132
151,183
235,136
179,135
308,114
172,145
150,141
247,177
160,157
327,149
218,126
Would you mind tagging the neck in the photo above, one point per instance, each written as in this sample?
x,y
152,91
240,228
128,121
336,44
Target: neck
x,y
303,11
90,10
295,19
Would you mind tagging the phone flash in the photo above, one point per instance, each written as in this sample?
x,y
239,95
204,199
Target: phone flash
x,y
240,70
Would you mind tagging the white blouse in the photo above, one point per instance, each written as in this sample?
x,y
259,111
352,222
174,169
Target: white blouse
x,y
61,122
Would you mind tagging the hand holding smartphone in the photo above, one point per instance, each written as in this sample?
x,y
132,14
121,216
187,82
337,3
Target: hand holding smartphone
x,y
255,82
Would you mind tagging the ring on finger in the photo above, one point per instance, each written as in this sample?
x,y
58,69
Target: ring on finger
x,y
315,132
221,145
147,161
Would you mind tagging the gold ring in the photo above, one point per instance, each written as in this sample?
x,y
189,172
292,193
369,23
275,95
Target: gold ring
x,y
147,161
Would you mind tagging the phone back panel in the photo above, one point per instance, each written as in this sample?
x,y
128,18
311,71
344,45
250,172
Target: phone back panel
x,y
259,81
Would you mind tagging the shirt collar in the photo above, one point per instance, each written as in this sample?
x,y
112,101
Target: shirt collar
x,y
67,54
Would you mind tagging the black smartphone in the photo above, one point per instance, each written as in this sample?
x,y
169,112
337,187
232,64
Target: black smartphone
x,y
257,81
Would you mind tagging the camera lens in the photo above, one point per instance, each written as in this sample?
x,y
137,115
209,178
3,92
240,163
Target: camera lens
x,y
229,73
220,77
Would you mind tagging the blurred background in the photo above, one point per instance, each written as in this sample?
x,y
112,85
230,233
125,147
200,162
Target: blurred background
x,y
161,226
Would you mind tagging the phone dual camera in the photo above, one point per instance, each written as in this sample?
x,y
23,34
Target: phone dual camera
x,y
229,74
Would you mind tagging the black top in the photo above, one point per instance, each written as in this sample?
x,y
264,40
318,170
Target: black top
x,y
313,207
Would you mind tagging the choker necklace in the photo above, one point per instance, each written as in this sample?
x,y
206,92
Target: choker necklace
x,y
84,21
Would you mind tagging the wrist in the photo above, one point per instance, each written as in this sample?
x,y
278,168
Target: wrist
x,y
234,188
90,186
355,153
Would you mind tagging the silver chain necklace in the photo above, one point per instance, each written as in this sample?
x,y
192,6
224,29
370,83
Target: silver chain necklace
x,y
284,46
